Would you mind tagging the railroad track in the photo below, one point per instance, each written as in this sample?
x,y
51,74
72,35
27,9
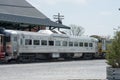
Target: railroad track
x,y
45,61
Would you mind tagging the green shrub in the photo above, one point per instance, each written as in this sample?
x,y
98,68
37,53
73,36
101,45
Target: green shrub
x,y
113,55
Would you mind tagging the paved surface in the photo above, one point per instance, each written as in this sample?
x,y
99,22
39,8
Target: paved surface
x,y
68,70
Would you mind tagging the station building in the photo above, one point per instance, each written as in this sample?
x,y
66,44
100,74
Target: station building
x,y
20,15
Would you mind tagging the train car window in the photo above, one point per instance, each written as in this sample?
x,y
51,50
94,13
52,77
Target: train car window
x,y
7,38
21,41
28,42
51,43
36,42
90,45
43,42
76,44
81,44
57,43
15,38
71,44
64,43
1,44
1,39
86,44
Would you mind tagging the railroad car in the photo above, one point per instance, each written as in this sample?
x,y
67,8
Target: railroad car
x,y
103,43
2,52
45,44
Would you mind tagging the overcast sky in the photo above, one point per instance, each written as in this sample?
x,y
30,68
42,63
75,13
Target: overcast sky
x,y
97,17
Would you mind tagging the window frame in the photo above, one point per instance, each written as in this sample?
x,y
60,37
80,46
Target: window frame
x,y
45,42
76,44
71,45
57,43
90,44
86,44
37,42
81,44
28,41
51,43
64,43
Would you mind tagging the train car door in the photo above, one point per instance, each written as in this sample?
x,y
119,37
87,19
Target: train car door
x,y
15,45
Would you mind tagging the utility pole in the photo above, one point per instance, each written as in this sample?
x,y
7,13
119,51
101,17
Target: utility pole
x,y
59,18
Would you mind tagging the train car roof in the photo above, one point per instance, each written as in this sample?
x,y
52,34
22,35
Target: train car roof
x,y
53,34
83,38
41,33
22,32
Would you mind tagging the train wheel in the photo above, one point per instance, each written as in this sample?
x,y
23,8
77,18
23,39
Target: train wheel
x,y
68,56
19,59
24,59
87,56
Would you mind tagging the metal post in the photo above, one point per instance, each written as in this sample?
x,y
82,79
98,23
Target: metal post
x,y
59,18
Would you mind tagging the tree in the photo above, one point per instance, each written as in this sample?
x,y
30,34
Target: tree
x,y
75,30
113,56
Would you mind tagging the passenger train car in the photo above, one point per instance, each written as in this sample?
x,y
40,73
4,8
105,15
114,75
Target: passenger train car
x,y
45,44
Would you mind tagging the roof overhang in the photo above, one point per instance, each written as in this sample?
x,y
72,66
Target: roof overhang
x,y
30,20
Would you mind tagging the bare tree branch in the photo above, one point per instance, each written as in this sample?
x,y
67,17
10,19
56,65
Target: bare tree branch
x,y
75,30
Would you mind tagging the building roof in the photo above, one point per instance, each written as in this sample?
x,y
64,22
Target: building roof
x,y
20,11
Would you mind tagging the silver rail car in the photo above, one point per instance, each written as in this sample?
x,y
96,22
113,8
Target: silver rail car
x,y
46,44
